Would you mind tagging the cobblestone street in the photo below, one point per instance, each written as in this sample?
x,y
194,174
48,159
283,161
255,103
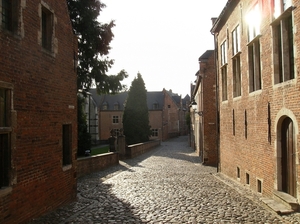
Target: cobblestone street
x,y
166,185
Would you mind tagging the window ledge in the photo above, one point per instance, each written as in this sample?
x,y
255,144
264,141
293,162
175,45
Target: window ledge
x,y
284,84
237,54
255,93
236,98
48,52
67,167
5,191
285,14
5,129
224,65
254,39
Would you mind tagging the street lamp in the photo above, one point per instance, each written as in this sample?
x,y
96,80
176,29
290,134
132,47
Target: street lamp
x,y
194,106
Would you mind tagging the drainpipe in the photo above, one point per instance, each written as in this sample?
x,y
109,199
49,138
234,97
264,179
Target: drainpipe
x,y
217,101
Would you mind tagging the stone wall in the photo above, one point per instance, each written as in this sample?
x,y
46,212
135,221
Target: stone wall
x,y
87,165
140,148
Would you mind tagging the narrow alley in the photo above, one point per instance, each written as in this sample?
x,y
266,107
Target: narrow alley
x,y
166,185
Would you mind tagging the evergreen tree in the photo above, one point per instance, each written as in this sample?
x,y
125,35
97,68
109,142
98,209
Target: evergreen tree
x,y
136,116
84,137
93,47
93,64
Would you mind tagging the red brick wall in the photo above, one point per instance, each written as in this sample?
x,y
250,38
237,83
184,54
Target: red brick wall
x,y
255,155
141,148
209,111
44,98
170,117
91,164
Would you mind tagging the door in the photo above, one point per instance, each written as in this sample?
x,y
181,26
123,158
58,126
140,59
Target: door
x,y
288,157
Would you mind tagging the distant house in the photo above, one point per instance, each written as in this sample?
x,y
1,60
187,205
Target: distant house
x,y
205,110
38,115
166,114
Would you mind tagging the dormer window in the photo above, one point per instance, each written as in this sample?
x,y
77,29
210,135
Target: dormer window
x,y
155,106
116,106
104,106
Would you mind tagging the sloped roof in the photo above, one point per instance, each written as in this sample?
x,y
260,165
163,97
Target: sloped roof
x,y
206,55
155,97
120,98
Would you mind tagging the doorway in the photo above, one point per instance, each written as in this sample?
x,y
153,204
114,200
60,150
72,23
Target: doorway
x,y
288,166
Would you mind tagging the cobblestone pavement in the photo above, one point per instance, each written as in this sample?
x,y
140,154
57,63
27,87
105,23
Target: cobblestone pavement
x,y
166,185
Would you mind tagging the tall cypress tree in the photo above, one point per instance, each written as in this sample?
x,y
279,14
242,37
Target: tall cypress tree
x,y
136,116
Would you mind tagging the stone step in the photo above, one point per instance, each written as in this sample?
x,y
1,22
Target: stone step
x,y
288,200
276,206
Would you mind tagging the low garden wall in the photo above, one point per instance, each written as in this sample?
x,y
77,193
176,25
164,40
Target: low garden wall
x,y
87,165
90,164
140,148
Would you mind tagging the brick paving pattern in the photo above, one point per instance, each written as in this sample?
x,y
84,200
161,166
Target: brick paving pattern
x,y
166,185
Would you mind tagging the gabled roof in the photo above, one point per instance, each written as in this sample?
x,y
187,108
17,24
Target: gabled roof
x,y
206,55
153,98
120,98
226,12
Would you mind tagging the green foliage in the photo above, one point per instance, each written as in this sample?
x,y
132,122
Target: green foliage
x,y
100,150
93,47
84,137
136,116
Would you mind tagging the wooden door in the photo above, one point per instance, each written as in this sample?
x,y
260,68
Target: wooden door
x,y
288,158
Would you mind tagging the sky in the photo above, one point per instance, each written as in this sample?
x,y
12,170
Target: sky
x,y
160,39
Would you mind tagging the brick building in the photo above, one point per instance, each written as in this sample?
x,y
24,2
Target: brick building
x,y
203,114
166,113
259,86
38,116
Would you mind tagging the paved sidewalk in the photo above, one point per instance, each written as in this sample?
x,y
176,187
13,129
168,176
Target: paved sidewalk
x,y
166,185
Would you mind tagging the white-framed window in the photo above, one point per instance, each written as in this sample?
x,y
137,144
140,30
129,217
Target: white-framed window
x,y
224,69
253,22
280,6
283,48
236,40
115,119
224,53
154,132
253,25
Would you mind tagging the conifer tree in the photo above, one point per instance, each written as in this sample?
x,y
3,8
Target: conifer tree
x,y
136,116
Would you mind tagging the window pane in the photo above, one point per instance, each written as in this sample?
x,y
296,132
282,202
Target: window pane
x,y
47,28
4,160
67,144
6,14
